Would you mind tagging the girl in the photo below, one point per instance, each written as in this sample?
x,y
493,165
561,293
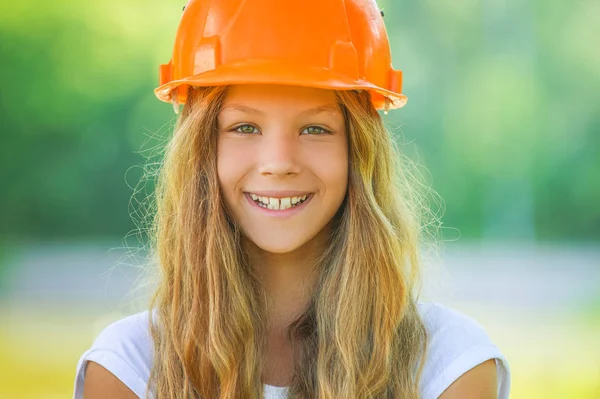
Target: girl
x,y
286,230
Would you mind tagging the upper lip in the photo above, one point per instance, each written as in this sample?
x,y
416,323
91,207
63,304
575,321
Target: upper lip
x,y
279,193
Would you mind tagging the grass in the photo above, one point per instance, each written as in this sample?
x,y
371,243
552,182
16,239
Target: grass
x,y
550,357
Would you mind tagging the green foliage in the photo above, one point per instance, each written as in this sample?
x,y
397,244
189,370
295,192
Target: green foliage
x,y
503,108
503,103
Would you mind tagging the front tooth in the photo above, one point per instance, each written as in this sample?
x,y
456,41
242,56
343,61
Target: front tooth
x,y
285,203
273,203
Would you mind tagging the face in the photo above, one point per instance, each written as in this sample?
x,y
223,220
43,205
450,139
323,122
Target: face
x,y
282,162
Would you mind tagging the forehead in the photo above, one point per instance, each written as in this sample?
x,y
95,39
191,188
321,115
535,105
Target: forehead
x,y
280,98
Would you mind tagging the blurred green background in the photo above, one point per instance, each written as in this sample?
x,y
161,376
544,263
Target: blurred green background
x,y
503,114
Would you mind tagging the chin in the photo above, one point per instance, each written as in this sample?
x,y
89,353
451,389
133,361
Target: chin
x,y
280,243
278,246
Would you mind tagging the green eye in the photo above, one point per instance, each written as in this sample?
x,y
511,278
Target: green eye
x,y
315,130
246,129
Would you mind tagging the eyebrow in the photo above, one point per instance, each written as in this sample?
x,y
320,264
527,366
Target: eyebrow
x,y
310,111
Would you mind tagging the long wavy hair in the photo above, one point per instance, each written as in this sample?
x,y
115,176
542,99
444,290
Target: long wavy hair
x,y
361,335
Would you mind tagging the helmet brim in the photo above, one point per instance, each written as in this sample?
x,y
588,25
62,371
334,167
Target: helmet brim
x,y
270,72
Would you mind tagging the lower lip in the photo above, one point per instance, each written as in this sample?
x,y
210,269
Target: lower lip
x,y
279,213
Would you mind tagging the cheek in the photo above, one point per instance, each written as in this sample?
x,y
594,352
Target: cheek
x,y
232,164
331,167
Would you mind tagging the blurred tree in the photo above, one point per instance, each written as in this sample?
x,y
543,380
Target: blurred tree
x,y
503,112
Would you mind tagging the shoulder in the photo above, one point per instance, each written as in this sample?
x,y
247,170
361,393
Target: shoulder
x,y
456,343
125,349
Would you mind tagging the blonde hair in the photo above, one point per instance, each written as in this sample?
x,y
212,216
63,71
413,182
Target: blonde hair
x,y
361,336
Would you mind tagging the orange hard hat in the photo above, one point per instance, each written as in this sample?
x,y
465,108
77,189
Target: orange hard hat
x,y
329,44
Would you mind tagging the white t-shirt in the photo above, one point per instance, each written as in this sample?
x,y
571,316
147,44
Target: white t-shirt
x,y
456,342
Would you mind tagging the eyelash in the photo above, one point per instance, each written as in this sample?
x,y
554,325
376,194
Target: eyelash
x,y
323,130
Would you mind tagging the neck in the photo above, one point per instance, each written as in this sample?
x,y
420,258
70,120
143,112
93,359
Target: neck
x,y
288,279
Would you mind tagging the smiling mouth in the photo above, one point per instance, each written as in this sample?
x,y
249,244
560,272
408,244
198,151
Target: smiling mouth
x,y
278,204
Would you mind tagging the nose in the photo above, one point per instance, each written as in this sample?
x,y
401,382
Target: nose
x,y
278,155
